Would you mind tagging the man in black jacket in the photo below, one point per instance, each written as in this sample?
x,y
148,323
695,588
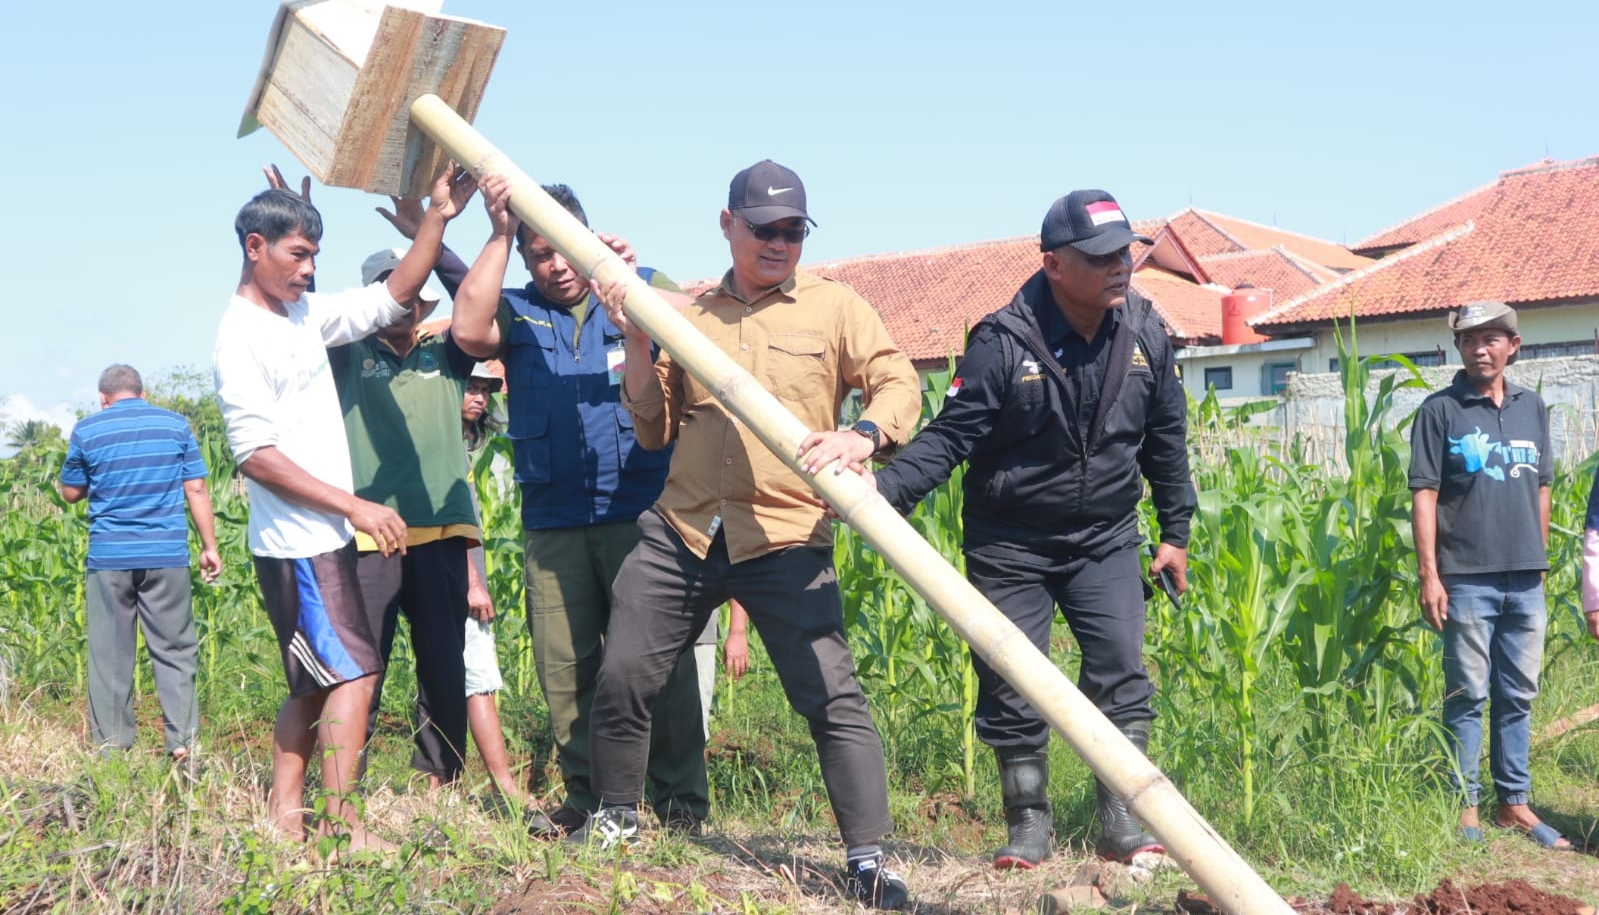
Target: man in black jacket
x,y
1063,399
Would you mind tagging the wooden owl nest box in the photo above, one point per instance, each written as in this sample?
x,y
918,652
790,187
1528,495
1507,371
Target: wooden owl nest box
x,y
339,77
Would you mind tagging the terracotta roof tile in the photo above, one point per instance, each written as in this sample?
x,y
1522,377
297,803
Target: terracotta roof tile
x,y
1252,236
1201,236
1286,276
1192,312
1430,223
928,299
1535,239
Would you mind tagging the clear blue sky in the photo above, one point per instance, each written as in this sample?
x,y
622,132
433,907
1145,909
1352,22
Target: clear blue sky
x,y
913,125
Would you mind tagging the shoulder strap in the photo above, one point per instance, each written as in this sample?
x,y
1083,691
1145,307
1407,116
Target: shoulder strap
x,y
1121,359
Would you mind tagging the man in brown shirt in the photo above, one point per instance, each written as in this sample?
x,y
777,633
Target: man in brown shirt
x,y
735,522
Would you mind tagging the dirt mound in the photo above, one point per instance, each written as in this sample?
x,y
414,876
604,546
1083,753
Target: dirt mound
x,y
1512,897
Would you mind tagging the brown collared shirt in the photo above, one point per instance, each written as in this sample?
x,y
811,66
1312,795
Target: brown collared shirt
x,y
809,341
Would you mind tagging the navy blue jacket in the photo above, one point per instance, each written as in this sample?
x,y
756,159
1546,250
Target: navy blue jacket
x,y
1034,480
577,460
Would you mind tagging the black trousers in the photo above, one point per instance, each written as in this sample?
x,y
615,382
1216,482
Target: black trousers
x,y
1103,603
428,584
664,595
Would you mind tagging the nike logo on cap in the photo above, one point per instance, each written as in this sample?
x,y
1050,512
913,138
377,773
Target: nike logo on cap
x,y
774,191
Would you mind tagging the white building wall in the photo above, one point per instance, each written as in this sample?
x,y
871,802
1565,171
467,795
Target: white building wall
x,y
1248,370
1536,325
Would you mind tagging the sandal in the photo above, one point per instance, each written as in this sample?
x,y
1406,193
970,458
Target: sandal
x,y
1542,833
1549,837
1471,834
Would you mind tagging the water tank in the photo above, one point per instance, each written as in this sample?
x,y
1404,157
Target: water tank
x,y
1237,307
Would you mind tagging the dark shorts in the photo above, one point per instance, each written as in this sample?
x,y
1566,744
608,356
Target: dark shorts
x,y
316,610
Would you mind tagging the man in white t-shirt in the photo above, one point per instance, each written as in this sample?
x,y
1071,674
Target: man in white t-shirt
x,y
287,433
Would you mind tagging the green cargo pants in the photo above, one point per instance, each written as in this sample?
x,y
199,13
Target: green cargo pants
x,y
568,574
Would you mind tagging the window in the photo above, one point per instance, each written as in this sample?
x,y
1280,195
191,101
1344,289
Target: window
x,y
1556,350
1432,357
1219,378
1274,375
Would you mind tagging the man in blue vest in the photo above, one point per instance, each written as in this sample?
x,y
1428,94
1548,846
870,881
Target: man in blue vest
x,y
584,482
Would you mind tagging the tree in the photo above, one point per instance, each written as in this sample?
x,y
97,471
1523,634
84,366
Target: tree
x,y
27,435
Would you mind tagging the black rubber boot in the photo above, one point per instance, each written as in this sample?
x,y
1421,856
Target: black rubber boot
x,y
1121,837
1029,819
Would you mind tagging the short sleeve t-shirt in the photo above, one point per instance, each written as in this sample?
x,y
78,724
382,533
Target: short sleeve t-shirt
x,y
1487,464
277,391
134,459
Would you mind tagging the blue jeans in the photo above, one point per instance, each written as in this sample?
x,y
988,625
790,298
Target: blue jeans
x,y
1493,651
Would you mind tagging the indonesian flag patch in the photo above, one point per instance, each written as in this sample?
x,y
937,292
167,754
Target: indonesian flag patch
x,y
1104,211
954,388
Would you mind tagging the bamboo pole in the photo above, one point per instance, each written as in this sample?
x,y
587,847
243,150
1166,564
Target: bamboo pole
x,y
1189,840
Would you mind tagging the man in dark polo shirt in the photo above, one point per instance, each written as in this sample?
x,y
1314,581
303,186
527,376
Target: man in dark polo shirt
x,y
138,465
1480,469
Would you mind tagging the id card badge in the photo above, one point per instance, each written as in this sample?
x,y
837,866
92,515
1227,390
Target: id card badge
x,y
616,364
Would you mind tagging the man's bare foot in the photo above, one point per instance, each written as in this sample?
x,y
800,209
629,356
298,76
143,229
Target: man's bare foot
x,y
362,840
363,846
1470,827
290,824
1521,818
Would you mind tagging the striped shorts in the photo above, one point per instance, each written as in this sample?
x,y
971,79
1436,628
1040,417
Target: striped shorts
x,y
316,610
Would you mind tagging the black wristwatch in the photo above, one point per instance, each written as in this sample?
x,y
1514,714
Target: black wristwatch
x,y
869,429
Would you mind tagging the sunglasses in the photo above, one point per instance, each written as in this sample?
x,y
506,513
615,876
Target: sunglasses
x,y
766,233
1106,261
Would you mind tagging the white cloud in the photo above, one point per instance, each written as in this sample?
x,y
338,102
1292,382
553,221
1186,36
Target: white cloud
x,y
18,408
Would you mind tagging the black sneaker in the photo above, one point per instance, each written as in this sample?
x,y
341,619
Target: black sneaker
x,y
568,820
871,884
607,829
539,826
680,821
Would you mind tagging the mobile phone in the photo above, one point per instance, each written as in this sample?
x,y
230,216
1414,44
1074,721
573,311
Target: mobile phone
x,y
1165,580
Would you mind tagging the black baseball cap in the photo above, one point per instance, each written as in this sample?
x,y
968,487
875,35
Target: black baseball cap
x,y
1090,221
766,192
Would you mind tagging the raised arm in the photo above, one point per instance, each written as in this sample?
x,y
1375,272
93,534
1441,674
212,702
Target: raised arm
x,y
406,218
450,193
477,301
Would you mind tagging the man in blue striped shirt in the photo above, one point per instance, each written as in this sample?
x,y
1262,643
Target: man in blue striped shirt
x,y
138,465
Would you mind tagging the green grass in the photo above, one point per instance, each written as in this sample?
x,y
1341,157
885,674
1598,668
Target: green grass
x,y
1297,701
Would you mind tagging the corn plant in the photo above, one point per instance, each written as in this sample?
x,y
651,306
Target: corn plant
x,y
914,667
1354,639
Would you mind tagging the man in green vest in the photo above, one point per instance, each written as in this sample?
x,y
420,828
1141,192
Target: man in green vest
x,y
400,389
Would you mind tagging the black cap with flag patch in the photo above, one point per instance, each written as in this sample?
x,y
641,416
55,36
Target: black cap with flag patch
x,y
1090,221
766,192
